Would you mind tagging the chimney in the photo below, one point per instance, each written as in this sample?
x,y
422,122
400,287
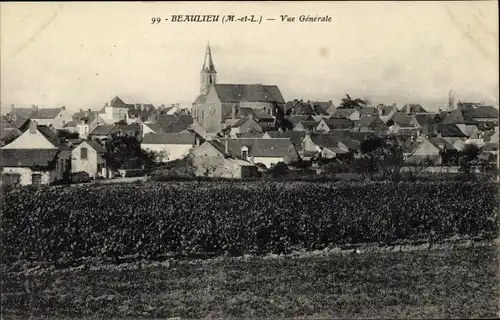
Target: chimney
x,y
81,110
250,115
63,108
90,110
137,106
106,104
34,108
33,127
233,112
226,146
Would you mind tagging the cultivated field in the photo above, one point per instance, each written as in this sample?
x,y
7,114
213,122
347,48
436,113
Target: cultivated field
x,y
129,250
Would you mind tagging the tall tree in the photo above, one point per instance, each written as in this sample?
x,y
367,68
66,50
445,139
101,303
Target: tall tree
x,y
349,103
124,152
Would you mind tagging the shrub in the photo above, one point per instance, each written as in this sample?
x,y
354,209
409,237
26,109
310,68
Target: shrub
x,y
234,217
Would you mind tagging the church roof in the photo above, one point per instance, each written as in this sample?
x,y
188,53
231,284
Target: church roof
x,y
248,93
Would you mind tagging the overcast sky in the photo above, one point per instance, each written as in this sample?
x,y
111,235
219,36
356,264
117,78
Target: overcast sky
x,y
83,54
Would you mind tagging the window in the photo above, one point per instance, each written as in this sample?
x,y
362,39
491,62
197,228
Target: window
x,y
203,114
36,179
83,153
244,154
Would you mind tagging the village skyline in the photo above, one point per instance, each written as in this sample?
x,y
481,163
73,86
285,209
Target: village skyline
x,y
442,46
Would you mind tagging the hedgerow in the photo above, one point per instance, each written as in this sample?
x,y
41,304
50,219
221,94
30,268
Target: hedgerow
x,y
223,217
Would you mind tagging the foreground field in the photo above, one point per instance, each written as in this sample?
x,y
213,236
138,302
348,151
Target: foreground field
x,y
443,282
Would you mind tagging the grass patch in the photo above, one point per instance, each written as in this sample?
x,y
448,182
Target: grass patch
x,y
439,283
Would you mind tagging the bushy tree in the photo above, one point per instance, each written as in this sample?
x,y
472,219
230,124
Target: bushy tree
x,y
124,152
349,103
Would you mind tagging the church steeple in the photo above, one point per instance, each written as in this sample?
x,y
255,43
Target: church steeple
x,y
208,75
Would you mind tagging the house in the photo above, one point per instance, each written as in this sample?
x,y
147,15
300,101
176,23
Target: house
x,y
368,111
464,122
264,120
55,117
10,130
32,166
386,112
218,102
35,137
328,146
213,159
107,131
70,126
115,111
265,151
327,125
307,126
195,127
425,119
479,112
86,121
142,113
168,124
88,156
371,124
296,119
171,146
412,109
297,137
352,114
436,149
299,107
489,152
245,125
457,143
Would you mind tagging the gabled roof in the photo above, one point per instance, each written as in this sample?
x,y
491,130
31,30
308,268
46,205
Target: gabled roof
x,y
96,146
402,119
27,157
172,123
142,114
367,111
325,140
50,135
450,130
261,147
248,93
88,116
458,117
295,136
116,102
480,111
297,118
185,138
441,144
103,130
308,124
339,123
250,134
407,132
343,113
70,124
368,121
36,113
197,128
385,109
240,122
425,118
490,147
413,108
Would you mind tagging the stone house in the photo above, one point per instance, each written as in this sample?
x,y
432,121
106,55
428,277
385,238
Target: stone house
x,y
88,157
213,159
245,125
306,126
171,146
55,117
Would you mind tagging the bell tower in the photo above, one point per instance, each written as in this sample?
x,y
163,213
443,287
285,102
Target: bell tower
x,y
208,75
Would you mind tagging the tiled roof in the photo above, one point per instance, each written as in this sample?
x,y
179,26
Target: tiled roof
x,y
297,118
325,140
458,117
96,146
296,136
402,119
366,121
173,123
187,138
339,123
250,135
481,111
343,113
248,93
198,129
88,116
261,147
490,147
116,102
413,108
425,118
239,122
441,144
222,149
368,111
103,130
450,130
39,113
308,124
385,110
142,114
407,132
70,124
50,135
27,157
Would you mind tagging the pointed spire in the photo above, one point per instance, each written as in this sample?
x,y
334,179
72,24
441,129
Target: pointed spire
x,y
208,56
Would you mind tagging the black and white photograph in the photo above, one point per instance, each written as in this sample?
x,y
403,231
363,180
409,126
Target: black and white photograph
x,y
249,160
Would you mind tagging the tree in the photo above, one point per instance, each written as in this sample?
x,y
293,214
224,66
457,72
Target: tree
x,y
124,152
467,157
349,103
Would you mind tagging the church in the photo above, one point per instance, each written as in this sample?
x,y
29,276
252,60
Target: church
x,y
218,106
